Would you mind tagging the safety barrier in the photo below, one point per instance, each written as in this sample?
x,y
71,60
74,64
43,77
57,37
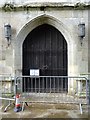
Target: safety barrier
x,y
53,89
7,91
48,89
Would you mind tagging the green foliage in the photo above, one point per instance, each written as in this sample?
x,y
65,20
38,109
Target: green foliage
x,y
8,7
79,6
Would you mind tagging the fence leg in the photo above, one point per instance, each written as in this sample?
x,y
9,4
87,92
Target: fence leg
x,y
23,106
7,106
80,108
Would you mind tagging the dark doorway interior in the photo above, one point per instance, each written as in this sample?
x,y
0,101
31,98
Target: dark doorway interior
x,y
45,49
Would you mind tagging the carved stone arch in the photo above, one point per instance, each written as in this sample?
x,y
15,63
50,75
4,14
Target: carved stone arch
x,y
28,27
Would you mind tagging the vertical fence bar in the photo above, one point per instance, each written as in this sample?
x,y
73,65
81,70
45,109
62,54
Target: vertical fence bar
x,y
10,85
77,87
4,83
87,91
50,84
16,86
35,85
54,85
62,88
28,85
21,85
81,92
13,84
58,78
1,87
24,85
46,85
80,86
39,85
42,84
31,85
66,84
58,87
12,90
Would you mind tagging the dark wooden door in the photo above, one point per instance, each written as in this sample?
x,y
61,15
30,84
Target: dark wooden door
x,y
45,49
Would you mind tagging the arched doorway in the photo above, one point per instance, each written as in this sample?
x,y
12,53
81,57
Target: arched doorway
x,y
45,49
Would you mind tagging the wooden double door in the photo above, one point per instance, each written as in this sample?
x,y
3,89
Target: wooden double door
x,y
45,49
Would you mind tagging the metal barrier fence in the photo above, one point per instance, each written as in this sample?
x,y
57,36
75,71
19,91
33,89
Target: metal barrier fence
x,y
48,89
56,89
7,85
7,90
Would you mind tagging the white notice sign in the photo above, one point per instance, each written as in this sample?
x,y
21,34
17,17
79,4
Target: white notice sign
x,y
31,72
34,72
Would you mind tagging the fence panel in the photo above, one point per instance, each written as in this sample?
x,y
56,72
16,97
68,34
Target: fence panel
x,y
53,89
7,85
7,90
48,89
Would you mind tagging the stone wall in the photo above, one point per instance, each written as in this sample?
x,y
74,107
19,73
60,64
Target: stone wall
x,y
24,18
28,1
23,21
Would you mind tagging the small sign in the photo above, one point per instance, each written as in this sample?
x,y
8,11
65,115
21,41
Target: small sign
x,y
31,72
34,72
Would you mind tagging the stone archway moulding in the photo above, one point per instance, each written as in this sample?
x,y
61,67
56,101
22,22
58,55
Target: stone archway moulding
x,y
28,27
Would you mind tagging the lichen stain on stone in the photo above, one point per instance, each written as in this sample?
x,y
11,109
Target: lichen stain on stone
x,y
9,7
